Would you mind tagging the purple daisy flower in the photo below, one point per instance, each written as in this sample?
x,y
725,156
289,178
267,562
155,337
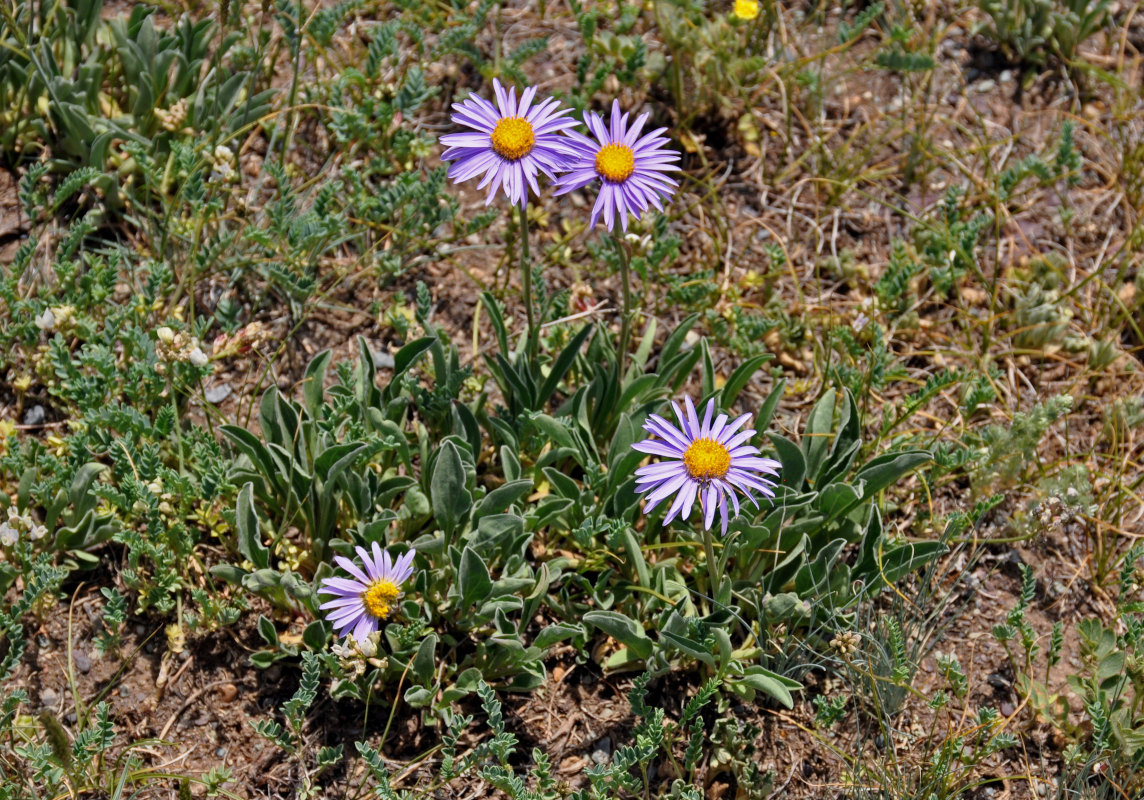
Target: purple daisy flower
x,y
513,141
711,461
360,605
629,168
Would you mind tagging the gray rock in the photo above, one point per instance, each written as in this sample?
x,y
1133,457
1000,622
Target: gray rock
x,y
602,750
82,662
216,394
34,415
49,697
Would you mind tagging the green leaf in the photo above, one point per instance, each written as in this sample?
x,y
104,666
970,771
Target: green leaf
x,y
264,658
556,632
623,629
451,500
316,633
249,444
249,534
771,684
906,558
767,410
229,573
314,382
82,497
337,459
501,498
425,661
267,631
816,437
696,650
887,469
740,378
793,471
473,579
407,356
562,364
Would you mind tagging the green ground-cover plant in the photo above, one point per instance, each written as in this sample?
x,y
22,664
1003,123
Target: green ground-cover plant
x,y
1107,741
1030,31
83,88
180,204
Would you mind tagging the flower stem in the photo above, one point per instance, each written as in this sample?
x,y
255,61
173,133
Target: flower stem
x,y
713,577
526,280
625,254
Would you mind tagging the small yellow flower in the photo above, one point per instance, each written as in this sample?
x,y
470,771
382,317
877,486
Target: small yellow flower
x,y
58,445
746,10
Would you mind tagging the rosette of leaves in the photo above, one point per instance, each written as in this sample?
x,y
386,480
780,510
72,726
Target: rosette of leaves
x,y
786,564
76,84
1028,31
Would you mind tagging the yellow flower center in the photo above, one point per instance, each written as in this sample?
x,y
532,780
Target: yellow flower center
x,y
706,459
746,9
379,597
513,138
615,162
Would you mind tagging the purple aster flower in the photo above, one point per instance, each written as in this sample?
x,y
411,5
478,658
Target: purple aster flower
x,y
359,605
711,460
630,168
513,141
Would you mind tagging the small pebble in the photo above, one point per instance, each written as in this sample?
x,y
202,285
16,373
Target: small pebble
x,y
220,752
216,394
43,642
383,360
227,692
1007,709
34,415
82,662
49,697
140,630
985,86
602,750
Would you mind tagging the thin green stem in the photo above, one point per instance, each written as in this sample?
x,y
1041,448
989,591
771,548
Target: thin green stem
x,y
713,577
526,280
625,255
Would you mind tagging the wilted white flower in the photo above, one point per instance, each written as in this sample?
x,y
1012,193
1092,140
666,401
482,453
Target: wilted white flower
x,y
46,320
222,160
171,346
8,534
197,357
38,532
346,648
368,645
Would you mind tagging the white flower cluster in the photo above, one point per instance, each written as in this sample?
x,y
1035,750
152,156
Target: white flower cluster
x,y
155,487
173,118
17,524
222,165
56,318
171,346
354,655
